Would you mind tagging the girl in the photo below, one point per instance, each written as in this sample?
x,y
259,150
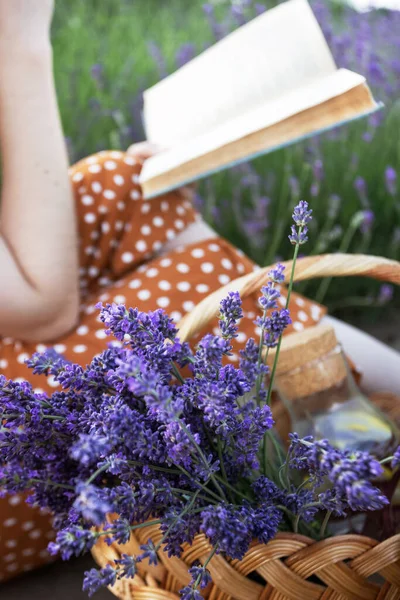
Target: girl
x,y
69,239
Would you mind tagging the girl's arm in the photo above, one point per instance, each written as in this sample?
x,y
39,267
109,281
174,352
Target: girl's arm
x,y
39,296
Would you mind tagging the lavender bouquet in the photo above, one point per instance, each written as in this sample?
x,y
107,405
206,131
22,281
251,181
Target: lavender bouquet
x,y
155,432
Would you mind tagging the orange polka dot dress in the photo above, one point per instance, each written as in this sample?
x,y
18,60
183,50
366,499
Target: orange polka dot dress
x,y
121,241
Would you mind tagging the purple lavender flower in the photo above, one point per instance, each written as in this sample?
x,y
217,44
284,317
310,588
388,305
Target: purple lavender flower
x,y
368,219
273,326
396,458
301,215
126,566
189,593
184,54
277,274
298,237
391,180
229,315
91,505
157,55
269,296
385,294
96,579
73,541
200,576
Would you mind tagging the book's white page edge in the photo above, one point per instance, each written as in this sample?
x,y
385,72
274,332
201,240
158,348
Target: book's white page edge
x,y
314,94
276,52
378,106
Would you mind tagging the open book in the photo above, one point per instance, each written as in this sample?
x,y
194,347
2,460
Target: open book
x,y
269,83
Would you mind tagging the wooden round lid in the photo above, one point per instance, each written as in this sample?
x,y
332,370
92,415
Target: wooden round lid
x,y
298,349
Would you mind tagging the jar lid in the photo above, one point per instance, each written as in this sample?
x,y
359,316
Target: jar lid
x,y
300,348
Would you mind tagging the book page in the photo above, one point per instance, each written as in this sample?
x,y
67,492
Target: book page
x,y
279,51
271,112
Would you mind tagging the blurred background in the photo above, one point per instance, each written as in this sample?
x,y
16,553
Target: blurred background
x,y
108,52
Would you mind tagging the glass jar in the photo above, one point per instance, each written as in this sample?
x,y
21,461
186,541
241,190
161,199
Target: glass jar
x,y
323,399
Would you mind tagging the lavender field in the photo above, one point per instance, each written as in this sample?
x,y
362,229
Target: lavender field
x,y
107,52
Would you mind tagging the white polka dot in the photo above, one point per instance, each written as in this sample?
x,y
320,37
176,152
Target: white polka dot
x,y
127,257
202,288
214,247
226,263
94,235
3,363
282,300
119,299
158,221
90,160
119,180
120,205
110,165
164,285
104,298
153,272
241,337
164,206
144,294
10,522
105,227
157,246
128,227
224,279
145,230
11,568
197,253
298,326
27,525
129,160
299,301
38,390
179,224
183,286
188,305
180,210
89,218
100,334
207,267
77,176
109,194
240,268
233,357
79,348
182,268
94,168
14,500
315,312
52,382
82,330
176,315
135,178
28,551
141,246
93,271
90,309
11,543
170,235
87,200
165,262
134,284
135,195
163,302
145,208
22,358
302,316
60,348
97,187
119,225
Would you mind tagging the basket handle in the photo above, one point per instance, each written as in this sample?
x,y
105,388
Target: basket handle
x,y
309,267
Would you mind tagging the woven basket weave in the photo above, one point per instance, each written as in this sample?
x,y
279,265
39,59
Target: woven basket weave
x,y
291,566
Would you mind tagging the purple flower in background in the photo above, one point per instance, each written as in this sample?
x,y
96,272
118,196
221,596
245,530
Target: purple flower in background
x,y
238,14
391,180
334,202
96,579
158,58
260,8
385,294
97,74
361,188
184,54
368,219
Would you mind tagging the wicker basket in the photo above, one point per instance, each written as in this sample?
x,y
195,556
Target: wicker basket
x,y
291,566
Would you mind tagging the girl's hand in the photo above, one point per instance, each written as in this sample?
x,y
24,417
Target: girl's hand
x,y
25,23
144,150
